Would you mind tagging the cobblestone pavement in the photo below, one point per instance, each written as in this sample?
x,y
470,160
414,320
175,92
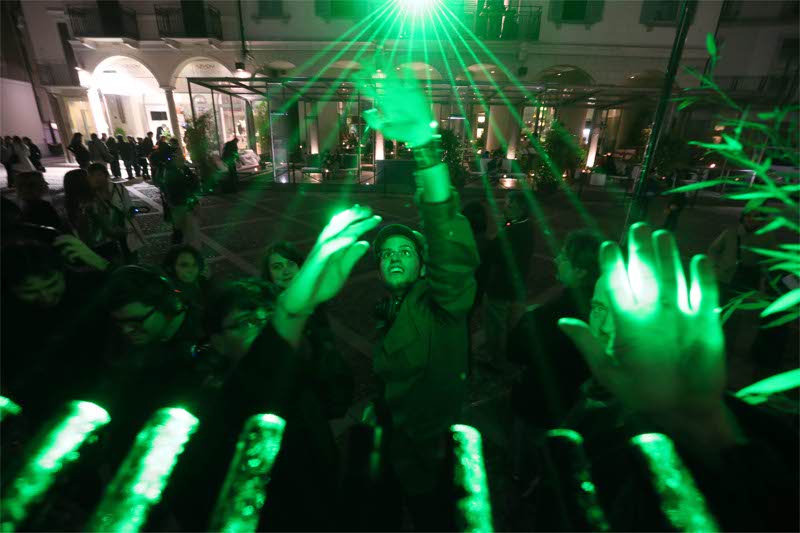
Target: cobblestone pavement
x,y
236,228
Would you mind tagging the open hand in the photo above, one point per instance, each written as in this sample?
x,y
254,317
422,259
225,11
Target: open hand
x,y
330,262
402,112
75,250
666,354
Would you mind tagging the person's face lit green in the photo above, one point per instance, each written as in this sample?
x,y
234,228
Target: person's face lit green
x,y
141,324
282,270
601,322
566,273
44,292
399,263
240,328
186,268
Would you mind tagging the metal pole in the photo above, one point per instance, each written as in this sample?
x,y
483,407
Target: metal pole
x,y
233,118
638,208
191,100
216,125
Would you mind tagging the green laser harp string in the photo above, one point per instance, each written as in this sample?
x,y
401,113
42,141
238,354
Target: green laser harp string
x,y
681,502
473,506
244,490
57,446
141,478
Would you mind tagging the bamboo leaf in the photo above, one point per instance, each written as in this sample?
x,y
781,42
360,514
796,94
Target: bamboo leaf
x,y
785,319
789,266
790,246
790,299
700,185
711,46
772,226
784,256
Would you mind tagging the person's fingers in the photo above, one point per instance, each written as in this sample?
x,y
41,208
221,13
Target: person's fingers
x,y
374,119
351,256
359,227
670,271
642,265
704,294
592,350
615,277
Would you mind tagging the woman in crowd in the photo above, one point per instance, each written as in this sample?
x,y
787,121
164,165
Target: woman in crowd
x,y
186,267
281,262
36,154
22,156
79,150
92,216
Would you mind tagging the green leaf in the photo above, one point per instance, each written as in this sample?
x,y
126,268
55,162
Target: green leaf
x,y
711,46
793,267
785,319
790,246
784,256
700,185
790,299
751,195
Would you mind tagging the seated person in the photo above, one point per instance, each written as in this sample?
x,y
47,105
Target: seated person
x,y
31,190
186,268
52,327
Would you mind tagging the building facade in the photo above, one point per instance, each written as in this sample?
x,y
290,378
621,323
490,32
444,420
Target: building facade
x,y
118,66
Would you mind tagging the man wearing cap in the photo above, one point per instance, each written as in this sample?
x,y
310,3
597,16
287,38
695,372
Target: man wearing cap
x,y
421,357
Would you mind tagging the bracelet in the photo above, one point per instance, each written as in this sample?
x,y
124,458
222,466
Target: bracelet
x,y
429,154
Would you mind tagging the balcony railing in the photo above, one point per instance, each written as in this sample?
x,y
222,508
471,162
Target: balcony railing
x,y
58,75
90,21
508,24
776,86
171,23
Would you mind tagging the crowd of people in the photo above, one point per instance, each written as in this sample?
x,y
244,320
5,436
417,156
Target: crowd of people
x,y
625,348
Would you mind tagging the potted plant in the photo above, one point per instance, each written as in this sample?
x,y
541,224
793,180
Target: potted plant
x,y
199,140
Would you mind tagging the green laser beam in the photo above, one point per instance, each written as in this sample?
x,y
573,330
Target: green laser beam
x,y
141,478
244,490
56,447
682,503
473,505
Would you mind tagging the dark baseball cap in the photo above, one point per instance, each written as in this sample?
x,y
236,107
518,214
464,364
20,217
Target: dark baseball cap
x,y
403,231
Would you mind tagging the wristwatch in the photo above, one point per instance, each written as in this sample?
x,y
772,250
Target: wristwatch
x,y
429,154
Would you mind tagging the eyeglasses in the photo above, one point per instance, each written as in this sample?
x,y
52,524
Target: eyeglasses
x,y
248,323
135,322
388,254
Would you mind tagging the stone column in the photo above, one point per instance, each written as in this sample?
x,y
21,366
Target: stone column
x,y
499,124
172,111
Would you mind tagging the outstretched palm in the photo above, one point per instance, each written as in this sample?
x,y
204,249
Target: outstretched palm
x,y
402,112
667,354
331,260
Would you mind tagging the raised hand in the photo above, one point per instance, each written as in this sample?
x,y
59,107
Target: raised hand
x,y
666,353
330,262
402,112
75,250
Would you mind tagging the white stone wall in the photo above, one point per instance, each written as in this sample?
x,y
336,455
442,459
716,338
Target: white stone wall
x,y
18,114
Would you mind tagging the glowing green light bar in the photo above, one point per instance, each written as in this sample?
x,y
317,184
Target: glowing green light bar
x,y
681,501
144,473
469,474
57,447
244,491
7,407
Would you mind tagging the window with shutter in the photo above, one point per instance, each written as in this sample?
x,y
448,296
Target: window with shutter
x,y
659,12
322,8
576,11
270,8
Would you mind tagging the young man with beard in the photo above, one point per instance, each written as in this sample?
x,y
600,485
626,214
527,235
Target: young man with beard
x,y
421,357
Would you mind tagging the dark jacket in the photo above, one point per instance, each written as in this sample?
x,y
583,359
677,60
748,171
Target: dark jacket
x,y
126,150
147,146
509,259
422,359
552,367
80,152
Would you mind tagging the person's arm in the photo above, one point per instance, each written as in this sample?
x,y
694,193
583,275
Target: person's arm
x,y
666,361
324,271
75,250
